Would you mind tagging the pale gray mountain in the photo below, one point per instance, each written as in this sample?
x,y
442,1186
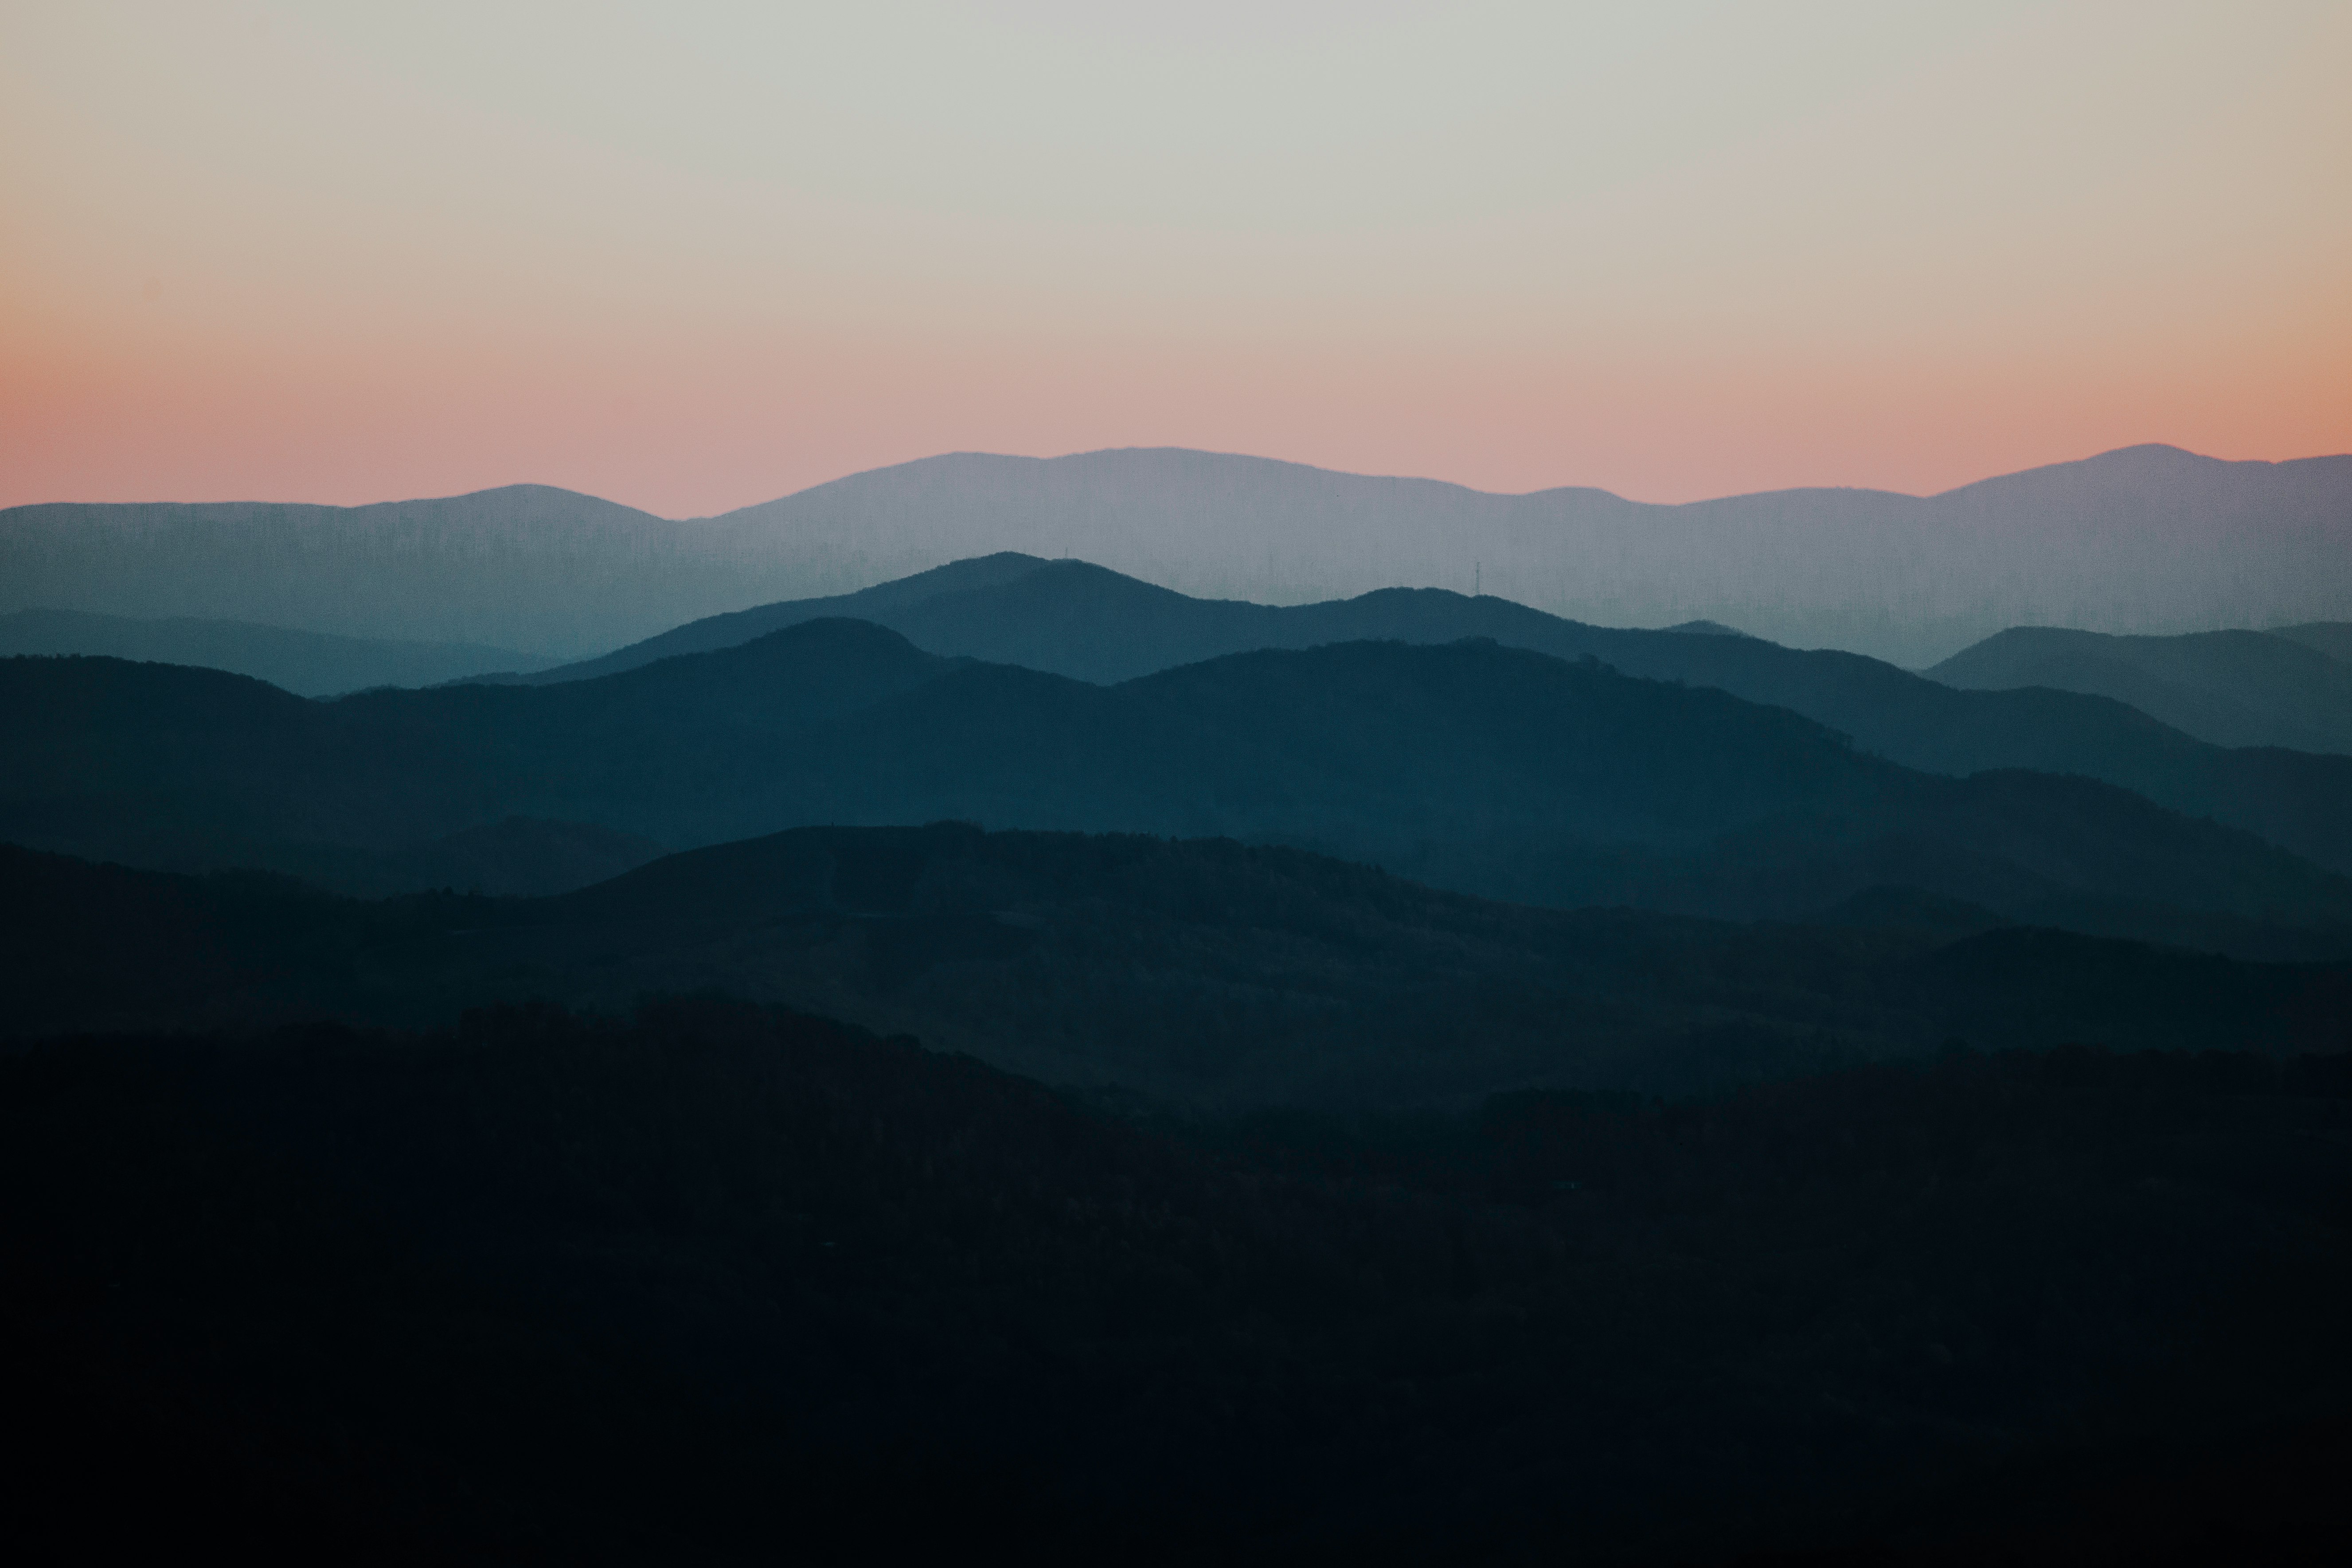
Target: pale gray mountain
x,y
2147,540
523,567
2233,689
309,664
885,604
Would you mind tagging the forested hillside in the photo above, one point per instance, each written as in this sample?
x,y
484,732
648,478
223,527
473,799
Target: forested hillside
x,y
717,1284
2145,540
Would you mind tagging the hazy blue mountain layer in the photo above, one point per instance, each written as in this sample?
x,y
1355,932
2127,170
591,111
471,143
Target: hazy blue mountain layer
x,y
2233,689
1077,619
1468,765
527,566
2333,638
1198,973
310,664
2147,540
976,589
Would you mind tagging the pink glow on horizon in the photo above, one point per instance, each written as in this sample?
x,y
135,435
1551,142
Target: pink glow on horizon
x,y
255,250
681,445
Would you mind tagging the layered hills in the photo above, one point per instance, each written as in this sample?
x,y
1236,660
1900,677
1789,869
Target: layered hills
x,y
1405,1077
1467,765
310,664
2233,687
1081,620
526,566
2333,638
2148,539
1202,974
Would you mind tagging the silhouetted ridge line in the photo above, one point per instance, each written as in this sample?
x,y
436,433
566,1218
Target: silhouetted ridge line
x,y
310,664
1490,769
1201,972
1081,620
2231,688
2143,540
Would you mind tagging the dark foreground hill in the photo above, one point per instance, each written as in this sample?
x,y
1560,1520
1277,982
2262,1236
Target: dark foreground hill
x,y
724,1285
1201,972
1186,971
2233,689
309,664
1080,620
1471,767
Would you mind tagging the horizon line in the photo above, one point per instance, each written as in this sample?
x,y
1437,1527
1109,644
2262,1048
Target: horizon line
x,y
1235,457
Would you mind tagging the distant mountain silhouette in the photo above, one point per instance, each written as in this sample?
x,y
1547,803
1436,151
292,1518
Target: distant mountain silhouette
x,y
310,664
2233,689
1467,765
528,566
1198,972
2148,539
1073,619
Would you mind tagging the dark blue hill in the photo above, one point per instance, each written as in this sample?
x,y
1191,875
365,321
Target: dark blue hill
x,y
1079,620
2231,688
1470,765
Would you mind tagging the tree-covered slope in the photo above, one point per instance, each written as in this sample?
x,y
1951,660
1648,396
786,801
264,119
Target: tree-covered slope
x,y
718,1284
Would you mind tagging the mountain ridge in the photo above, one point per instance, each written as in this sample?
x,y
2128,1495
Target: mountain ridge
x,y
1203,973
2134,541
1084,621
1499,772
310,664
2229,687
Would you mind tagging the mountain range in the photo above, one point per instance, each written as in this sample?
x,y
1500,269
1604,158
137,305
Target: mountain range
x,y
310,664
2145,540
1469,765
2233,689
1080,620
1200,972
1020,1052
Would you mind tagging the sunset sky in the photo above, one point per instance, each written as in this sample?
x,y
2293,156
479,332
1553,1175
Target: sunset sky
x,y
693,257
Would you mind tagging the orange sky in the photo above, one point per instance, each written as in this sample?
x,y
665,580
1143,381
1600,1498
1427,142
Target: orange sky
x,y
695,257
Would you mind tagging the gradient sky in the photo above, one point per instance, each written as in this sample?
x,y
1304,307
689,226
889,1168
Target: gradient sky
x,y
692,256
